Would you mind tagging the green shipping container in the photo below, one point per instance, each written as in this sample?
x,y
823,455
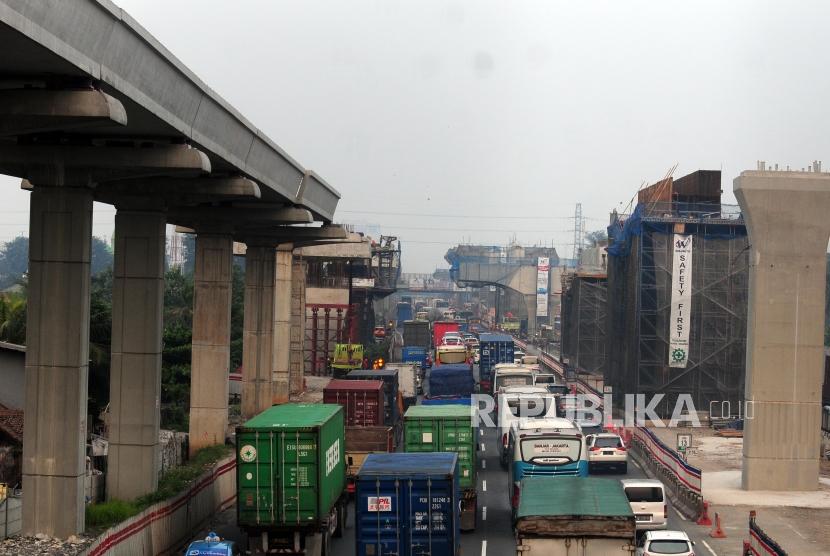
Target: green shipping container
x,y
444,428
290,465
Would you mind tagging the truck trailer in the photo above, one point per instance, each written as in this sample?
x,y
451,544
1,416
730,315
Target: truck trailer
x,y
574,516
291,479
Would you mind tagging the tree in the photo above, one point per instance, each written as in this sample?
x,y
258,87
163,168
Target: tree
x,y
100,339
14,261
13,318
101,256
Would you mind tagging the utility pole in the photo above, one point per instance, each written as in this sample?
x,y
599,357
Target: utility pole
x,y
579,231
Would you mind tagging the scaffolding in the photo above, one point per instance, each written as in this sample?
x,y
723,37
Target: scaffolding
x,y
639,300
584,307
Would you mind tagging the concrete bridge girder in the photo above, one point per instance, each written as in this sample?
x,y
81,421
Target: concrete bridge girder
x,y
518,278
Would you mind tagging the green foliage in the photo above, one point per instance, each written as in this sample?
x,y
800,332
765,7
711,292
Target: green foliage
x,y
237,311
173,482
175,357
101,259
100,339
14,261
13,318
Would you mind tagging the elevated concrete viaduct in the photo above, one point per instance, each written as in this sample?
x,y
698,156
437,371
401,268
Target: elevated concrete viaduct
x,y
92,107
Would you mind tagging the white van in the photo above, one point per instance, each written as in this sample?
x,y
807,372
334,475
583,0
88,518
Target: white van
x,y
514,375
648,502
539,403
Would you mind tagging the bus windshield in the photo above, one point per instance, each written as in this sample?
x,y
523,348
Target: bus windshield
x,y
551,450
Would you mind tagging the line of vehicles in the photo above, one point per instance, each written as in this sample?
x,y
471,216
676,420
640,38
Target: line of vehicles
x,y
402,441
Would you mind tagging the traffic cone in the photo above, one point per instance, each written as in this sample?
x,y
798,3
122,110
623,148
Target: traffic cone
x,y
717,530
704,518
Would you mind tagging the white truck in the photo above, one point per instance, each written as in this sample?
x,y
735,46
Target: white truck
x,y
574,516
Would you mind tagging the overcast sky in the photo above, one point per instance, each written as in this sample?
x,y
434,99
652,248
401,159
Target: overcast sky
x,y
419,110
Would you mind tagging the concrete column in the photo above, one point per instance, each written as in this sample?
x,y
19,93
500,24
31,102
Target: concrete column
x,y
57,358
282,322
258,330
297,360
786,216
210,357
530,304
135,370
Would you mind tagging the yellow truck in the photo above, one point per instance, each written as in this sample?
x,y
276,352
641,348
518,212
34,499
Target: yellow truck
x,y
347,357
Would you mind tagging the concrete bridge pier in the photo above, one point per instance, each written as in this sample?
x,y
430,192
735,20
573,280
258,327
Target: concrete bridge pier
x,y
258,330
786,217
57,358
210,356
135,370
296,359
282,322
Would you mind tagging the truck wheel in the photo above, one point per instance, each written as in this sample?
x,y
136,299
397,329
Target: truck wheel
x,y
326,544
340,510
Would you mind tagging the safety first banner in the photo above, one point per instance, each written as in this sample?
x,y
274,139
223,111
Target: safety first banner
x,y
681,301
542,274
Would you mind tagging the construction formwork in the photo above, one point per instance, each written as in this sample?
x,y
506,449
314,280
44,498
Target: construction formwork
x,y
584,309
639,298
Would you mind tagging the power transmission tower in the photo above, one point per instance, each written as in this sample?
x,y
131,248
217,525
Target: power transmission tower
x,y
579,231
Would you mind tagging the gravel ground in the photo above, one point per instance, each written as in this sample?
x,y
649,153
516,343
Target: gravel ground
x,y
43,545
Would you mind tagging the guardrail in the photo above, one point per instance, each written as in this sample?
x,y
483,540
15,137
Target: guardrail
x,y
11,516
759,542
681,479
165,526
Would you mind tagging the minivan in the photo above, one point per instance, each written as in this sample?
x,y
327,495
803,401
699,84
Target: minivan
x,y
648,503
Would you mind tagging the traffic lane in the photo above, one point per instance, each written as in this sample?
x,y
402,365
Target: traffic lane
x,y
494,530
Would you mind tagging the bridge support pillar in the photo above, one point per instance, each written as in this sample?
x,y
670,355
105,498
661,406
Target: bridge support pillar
x,y
786,216
298,311
211,340
530,304
57,358
282,322
258,330
135,370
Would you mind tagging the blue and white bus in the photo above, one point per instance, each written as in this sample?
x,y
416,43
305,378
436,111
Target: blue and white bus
x,y
549,447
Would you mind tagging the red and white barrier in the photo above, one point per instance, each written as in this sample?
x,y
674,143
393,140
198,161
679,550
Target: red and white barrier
x,y
686,474
759,543
166,525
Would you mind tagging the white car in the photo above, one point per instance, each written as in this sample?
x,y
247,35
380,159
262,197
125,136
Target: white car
x,y
657,543
607,450
647,498
517,356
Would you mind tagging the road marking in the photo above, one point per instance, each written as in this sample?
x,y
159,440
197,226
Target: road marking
x,y
484,464
482,446
481,432
484,486
484,513
483,548
709,548
795,531
681,516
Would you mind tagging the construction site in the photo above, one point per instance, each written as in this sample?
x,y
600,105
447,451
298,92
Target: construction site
x,y
640,358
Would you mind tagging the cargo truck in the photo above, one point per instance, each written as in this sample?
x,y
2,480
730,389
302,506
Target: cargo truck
x,y
450,381
362,441
416,334
347,357
441,327
407,505
403,313
409,381
573,516
493,349
392,405
416,354
447,428
291,478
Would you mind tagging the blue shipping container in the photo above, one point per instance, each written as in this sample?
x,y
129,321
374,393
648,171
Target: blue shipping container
x,y
407,505
493,349
452,380
447,401
414,354
404,313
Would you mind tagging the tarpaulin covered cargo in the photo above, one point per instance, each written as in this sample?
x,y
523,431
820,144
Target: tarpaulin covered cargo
x,y
362,400
451,381
407,505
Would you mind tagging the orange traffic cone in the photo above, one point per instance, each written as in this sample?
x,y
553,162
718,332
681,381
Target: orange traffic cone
x,y
704,518
717,530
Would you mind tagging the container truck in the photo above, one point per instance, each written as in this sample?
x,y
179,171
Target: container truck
x,y
409,381
572,516
291,478
450,381
362,441
441,327
347,357
362,400
447,428
415,354
403,312
416,333
493,349
407,505
392,406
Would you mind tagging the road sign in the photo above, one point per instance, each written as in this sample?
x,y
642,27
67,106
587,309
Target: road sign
x,y
684,442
